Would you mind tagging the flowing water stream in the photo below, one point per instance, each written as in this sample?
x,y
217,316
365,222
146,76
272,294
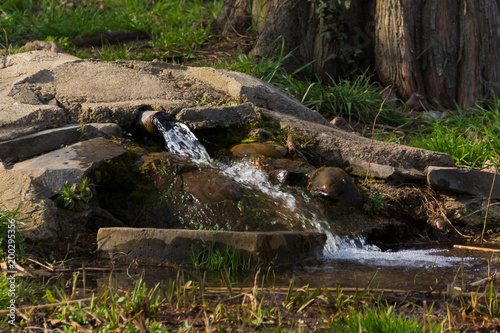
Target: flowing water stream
x,y
346,260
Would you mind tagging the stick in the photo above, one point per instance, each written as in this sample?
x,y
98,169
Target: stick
x,y
43,306
485,249
291,146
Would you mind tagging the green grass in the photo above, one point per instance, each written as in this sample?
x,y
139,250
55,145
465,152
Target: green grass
x,y
470,136
212,259
168,22
180,304
379,320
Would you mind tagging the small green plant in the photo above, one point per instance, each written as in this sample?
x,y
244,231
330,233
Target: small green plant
x,y
77,196
212,259
375,203
9,222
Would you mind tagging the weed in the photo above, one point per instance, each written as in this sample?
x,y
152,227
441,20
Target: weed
x,y
383,320
10,237
77,196
212,259
375,203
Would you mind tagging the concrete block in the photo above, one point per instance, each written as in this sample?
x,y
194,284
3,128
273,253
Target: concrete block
x,y
155,246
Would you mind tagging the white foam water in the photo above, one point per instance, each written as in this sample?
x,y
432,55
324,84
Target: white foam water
x,y
180,140
356,249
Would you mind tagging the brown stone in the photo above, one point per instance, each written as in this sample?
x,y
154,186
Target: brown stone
x,y
255,149
334,183
210,186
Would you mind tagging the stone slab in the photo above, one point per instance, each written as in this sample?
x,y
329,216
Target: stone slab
x,y
218,117
176,245
360,167
69,164
41,142
477,183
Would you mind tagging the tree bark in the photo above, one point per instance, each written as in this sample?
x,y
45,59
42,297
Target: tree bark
x,y
234,18
302,27
445,50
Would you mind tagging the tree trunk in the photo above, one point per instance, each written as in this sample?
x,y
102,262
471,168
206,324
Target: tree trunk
x,y
234,18
446,50
302,24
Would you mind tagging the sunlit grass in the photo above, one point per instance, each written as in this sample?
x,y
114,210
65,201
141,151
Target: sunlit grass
x,y
173,25
470,135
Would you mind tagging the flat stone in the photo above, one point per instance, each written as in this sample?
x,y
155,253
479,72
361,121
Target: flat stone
x,y
473,182
177,245
69,164
360,167
341,148
218,117
41,142
250,89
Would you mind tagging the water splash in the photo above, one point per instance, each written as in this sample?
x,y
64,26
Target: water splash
x,y
250,175
355,249
179,139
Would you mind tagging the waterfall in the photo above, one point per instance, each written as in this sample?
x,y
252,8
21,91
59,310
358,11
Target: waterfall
x,y
179,139
298,206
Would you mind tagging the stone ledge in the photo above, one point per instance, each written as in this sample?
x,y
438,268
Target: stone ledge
x,y
153,246
48,140
477,183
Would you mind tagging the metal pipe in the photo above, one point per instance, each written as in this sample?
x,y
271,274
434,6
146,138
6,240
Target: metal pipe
x,y
145,120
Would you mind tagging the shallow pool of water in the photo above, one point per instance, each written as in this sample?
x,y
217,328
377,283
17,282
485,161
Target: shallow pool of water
x,y
407,269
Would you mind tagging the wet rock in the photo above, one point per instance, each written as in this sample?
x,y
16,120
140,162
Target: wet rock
x,y
69,164
256,149
334,183
287,171
175,246
210,186
164,162
474,182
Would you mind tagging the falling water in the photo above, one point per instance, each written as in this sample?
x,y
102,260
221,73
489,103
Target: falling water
x,y
179,139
